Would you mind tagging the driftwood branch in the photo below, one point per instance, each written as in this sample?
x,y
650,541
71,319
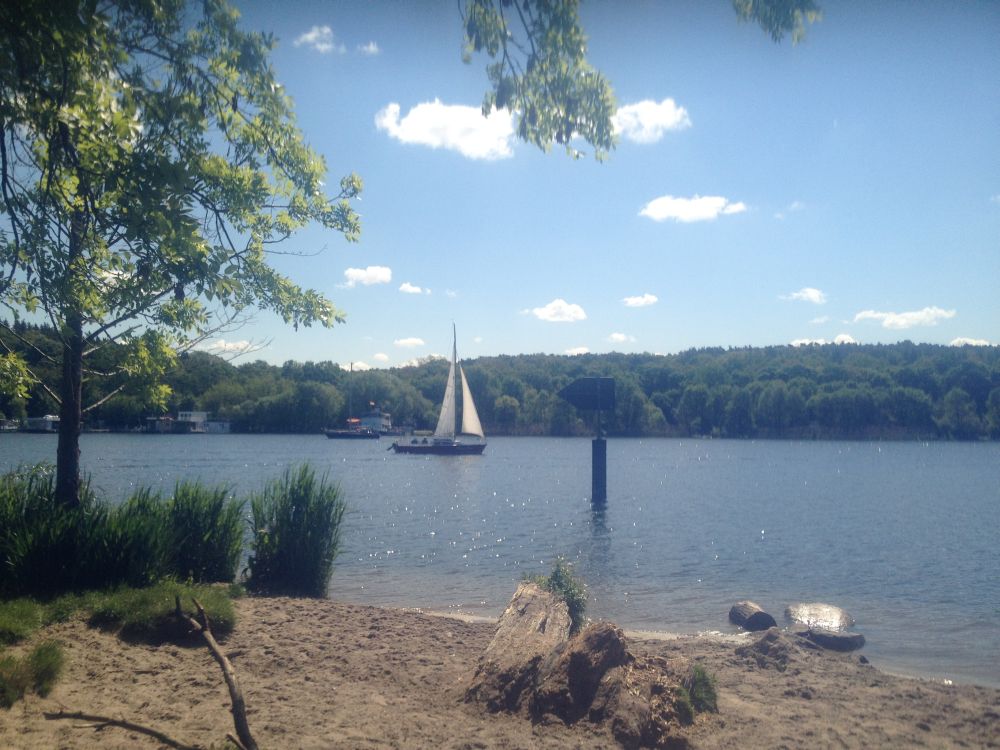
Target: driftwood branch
x,y
246,740
104,721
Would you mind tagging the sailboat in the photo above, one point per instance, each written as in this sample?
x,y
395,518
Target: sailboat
x,y
447,440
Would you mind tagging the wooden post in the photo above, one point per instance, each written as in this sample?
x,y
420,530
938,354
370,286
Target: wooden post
x,y
599,471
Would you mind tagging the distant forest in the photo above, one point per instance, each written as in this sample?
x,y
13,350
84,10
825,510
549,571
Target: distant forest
x,y
843,391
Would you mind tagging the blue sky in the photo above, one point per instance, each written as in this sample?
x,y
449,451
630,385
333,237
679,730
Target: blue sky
x,y
843,189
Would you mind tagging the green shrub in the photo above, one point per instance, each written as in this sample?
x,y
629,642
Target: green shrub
x,y
571,590
701,687
206,531
295,527
39,671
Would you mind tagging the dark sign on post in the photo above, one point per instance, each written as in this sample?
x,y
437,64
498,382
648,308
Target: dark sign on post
x,y
594,394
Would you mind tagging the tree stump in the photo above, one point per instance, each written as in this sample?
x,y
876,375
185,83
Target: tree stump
x,y
532,626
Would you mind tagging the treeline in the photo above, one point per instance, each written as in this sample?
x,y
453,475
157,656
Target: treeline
x,y
904,390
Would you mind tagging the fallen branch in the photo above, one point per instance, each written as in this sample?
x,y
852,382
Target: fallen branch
x,y
104,721
246,740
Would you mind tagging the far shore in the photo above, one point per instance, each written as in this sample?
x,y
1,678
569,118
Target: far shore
x,y
326,674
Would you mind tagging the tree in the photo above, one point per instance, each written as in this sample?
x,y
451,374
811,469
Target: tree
x,y
148,158
540,71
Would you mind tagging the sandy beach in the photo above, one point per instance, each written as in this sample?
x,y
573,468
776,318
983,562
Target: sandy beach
x,y
323,674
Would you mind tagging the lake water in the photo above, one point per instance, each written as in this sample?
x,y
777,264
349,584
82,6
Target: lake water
x,y
902,535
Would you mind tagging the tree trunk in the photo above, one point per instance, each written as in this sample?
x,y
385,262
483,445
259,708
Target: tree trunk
x,y
70,413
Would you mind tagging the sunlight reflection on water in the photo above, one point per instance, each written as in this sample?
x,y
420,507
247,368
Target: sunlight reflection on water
x,y
896,533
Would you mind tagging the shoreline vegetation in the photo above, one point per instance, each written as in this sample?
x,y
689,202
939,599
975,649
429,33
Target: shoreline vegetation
x,y
834,391
87,661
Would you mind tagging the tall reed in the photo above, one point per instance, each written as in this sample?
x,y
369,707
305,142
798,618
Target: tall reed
x,y
206,533
48,548
296,525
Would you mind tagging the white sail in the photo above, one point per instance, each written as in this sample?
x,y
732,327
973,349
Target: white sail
x,y
446,421
470,418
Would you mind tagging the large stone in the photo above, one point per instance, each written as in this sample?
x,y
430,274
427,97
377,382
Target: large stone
x,y
532,626
819,615
750,616
833,640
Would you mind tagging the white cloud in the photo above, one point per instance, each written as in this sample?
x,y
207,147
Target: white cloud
x,y
620,338
559,311
381,357
368,276
964,341
806,294
842,338
371,49
790,209
451,126
356,366
687,210
820,320
320,38
477,339
407,288
929,316
409,343
450,293
642,300
647,121
221,346
577,350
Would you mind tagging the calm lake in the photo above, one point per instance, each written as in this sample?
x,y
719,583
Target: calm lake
x,y
905,536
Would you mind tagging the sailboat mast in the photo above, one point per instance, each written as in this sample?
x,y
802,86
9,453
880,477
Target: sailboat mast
x,y
456,429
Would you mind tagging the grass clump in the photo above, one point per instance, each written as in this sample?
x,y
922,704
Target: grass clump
x,y
45,664
19,618
701,687
38,671
682,705
295,525
149,613
570,589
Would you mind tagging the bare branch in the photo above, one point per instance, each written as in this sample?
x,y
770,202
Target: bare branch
x,y
107,721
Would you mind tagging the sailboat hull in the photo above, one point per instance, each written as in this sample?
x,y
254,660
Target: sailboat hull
x,y
440,449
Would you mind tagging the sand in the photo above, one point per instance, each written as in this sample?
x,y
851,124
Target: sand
x,y
323,674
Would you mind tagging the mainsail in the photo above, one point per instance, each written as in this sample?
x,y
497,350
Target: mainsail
x,y
446,420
